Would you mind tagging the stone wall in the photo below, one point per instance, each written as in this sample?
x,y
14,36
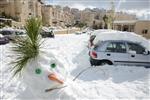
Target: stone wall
x,y
67,31
142,26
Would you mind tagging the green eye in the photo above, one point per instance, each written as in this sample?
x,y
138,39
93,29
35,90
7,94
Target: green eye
x,y
53,65
38,71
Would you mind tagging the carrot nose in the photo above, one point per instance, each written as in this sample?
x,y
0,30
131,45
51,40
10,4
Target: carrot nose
x,y
53,77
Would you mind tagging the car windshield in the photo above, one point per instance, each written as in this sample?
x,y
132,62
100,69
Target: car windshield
x,y
92,37
6,32
19,33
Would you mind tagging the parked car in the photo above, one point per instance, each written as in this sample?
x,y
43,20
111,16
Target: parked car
x,y
12,33
78,33
47,34
122,52
3,40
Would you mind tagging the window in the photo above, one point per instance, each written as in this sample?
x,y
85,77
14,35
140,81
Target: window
x,y
92,38
18,33
116,47
30,5
6,32
145,31
136,47
111,47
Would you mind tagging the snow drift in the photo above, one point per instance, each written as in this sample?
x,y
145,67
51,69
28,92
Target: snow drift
x,y
100,82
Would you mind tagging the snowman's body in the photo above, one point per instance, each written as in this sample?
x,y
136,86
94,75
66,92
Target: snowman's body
x,y
38,82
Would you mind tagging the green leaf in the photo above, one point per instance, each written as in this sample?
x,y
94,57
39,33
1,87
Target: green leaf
x,y
27,48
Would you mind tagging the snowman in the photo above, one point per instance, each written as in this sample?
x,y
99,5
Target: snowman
x,y
40,70
44,73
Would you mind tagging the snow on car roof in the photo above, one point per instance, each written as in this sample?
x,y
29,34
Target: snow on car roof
x,y
7,29
12,30
119,35
96,32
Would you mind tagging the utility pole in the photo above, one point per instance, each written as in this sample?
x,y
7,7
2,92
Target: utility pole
x,y
112,13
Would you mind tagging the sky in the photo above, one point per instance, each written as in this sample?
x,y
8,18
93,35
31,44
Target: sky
x,y
139,7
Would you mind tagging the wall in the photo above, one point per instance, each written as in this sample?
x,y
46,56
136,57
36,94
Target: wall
x,y
140,26
47,15
67,31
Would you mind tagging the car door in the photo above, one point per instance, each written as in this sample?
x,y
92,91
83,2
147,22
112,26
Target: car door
x,y
139,57
116,52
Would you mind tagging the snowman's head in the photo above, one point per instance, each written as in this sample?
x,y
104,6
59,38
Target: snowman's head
x,y
44,72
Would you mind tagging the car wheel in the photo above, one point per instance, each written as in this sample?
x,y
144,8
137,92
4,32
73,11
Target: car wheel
x,y
105,62
94,62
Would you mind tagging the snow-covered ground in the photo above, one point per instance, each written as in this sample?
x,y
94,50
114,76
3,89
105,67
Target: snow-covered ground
x,y
100,82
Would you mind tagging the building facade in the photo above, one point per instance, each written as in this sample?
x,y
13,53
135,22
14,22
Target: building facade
x,y
87,17
20,10
56,16
141,27
47,13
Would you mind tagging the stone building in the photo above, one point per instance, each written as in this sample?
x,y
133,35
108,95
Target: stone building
x,y
20,10
141,27
124,16
47,15
56,16
87,17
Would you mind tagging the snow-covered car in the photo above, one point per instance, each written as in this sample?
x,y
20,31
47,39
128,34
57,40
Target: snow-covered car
x,y
12,33
119,52
3,40
95,34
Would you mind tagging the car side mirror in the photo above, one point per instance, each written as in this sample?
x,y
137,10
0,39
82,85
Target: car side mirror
x,y
146,52
132,52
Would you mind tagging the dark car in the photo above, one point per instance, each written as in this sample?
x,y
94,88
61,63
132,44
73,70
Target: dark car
x,y
45,34
3,40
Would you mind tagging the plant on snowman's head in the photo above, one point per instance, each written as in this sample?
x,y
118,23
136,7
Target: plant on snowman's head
x,y
28,47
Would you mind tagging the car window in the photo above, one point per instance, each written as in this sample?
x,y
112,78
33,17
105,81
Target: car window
x,y
136,47
116,47
18,33
6,32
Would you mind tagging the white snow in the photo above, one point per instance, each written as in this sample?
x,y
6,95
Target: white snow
x,y
100,82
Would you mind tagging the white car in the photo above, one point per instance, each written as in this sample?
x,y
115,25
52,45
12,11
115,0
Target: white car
x,y
119,52
12,33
